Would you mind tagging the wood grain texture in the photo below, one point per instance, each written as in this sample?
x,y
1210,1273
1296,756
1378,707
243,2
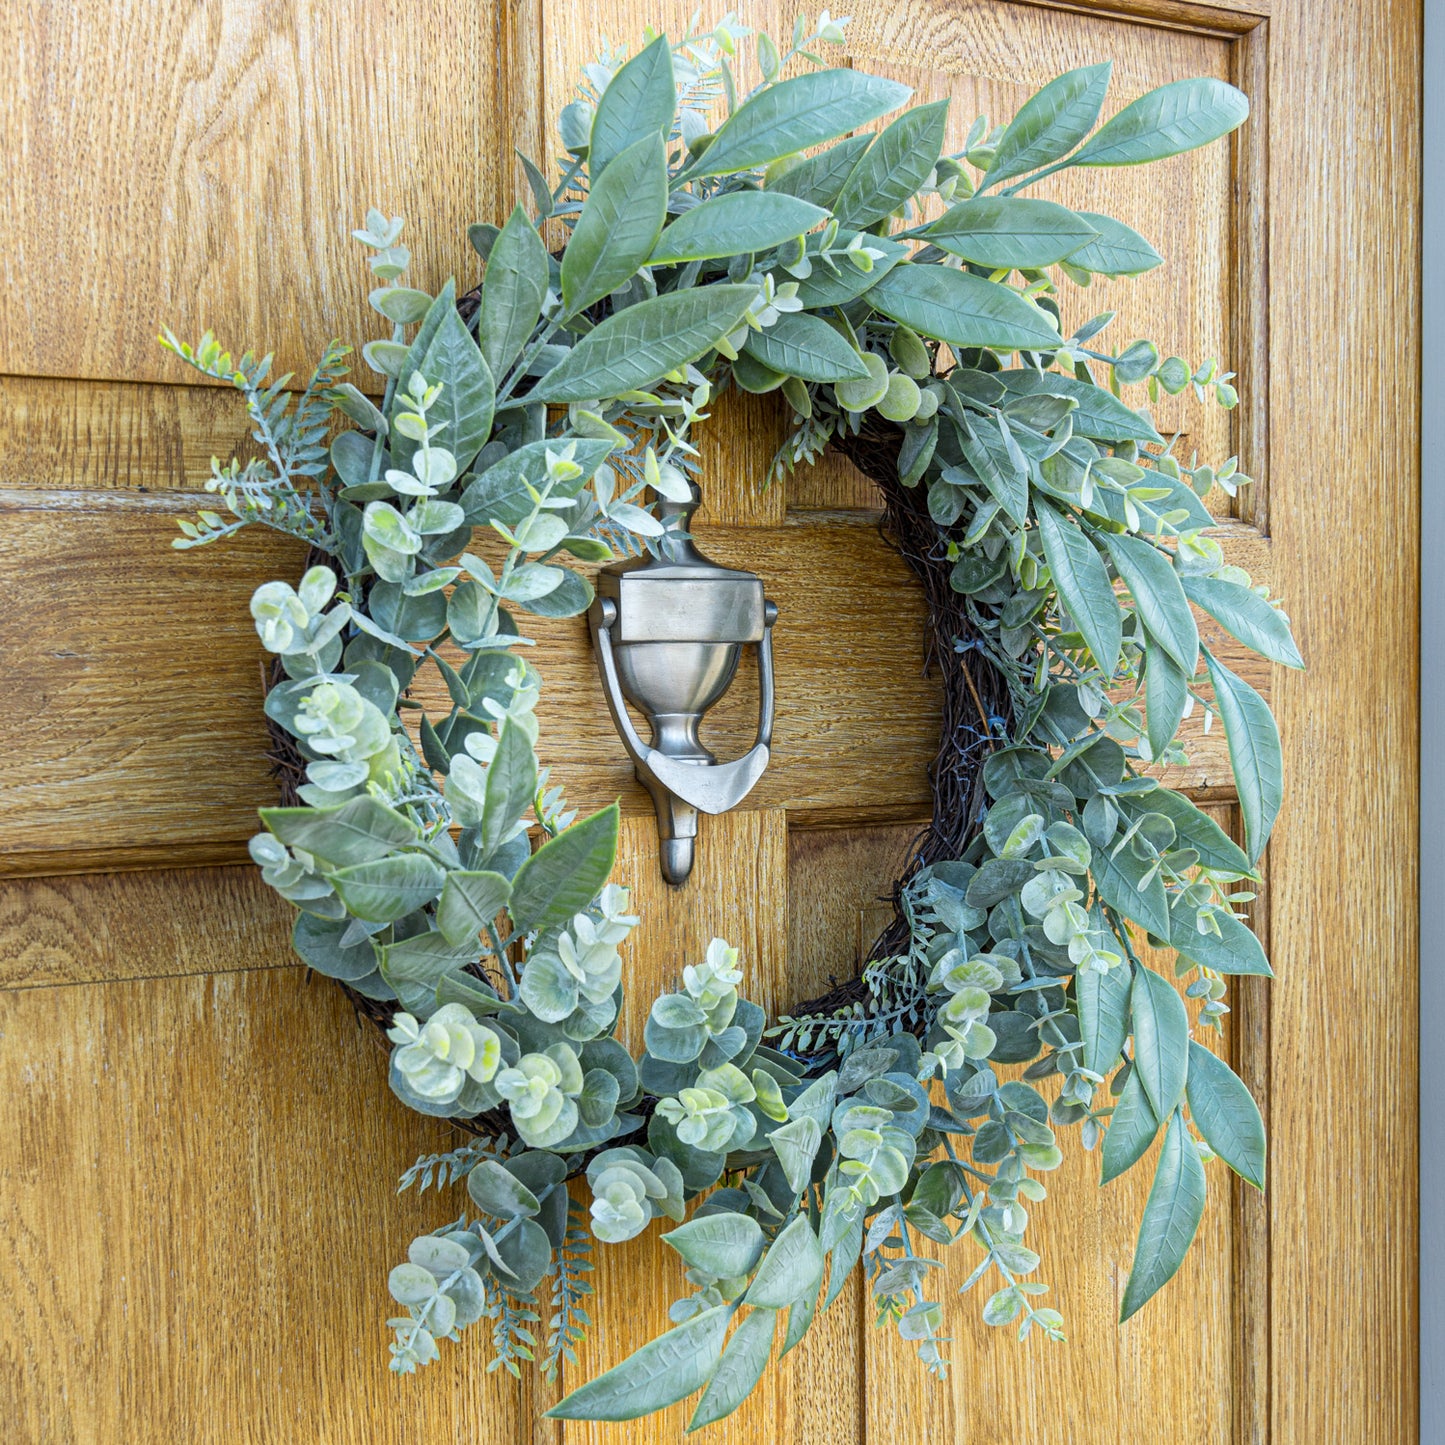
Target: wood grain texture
x,y
117,926
1344,880
200,1213
241,144
105,628
738,890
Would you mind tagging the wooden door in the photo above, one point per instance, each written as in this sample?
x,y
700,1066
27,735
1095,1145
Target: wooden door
x,y
198,1210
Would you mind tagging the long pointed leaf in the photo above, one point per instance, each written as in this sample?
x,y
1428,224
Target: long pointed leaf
x,y
512,295
1161,1040
639,346
997,231
1171,1218
796,115
1052,122
1084,587
1177,117
1226,1114
639,101
739,1370
1254,754
1132,1128
1158,597
964,310
894,166
1247,615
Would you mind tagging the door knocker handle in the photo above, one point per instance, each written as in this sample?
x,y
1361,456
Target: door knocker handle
x,y
668,633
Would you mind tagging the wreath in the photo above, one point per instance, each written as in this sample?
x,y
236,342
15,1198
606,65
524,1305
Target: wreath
x,y
907,306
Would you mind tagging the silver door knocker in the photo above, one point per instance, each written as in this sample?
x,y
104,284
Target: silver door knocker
x,y
668,632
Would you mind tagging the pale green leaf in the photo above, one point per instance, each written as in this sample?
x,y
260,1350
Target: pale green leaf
x,y
739,1370
1225,1113
1132,1128
638,346
1051,122
1158,597
1084,587
619,225
964,310
1177,117
792,1268
796,115
564,875
513,292
722,1245
639,102
1117,249
892,169
1247,615
1161,1040
1171,1218
735,224
1254,754
998,231
807,347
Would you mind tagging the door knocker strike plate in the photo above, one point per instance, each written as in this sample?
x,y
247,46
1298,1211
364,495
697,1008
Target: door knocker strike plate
x,y
668,632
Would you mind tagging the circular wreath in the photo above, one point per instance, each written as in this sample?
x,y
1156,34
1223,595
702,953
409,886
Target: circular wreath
x,y
906,304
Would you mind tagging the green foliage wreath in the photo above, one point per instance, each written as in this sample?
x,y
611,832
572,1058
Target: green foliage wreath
x,y
906,304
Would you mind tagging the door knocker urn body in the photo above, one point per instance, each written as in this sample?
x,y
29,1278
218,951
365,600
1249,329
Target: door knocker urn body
x,y
668,633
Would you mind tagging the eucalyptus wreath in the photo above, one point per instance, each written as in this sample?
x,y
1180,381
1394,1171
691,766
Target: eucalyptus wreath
x,y
907,305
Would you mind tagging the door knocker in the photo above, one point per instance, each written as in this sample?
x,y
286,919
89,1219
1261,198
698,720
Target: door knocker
x,y
669,632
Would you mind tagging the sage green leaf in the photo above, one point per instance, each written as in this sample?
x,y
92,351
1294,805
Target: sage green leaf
x,y
999,231
1225,1113
467,399
1051,122
527,1253
513,292
1132,1128
511,784
386,889
570,597
796,1144
734,225
1234,949
1166,693
1158,597
661,1373
619,225
1247,615
318,941
356,831
892,169
499,1192
796,115
800,1320
829,286
1118,879
739,1370
1254,753
722,1245
563,876
1161,1040
640,345
1171,1218
1103,1015
997,467
639,102
415,966
1177,117
964,310
842,1258
1197,830
819,178
1117,249
470,902
792,1268
804,346
1084,587
1099,414
500,493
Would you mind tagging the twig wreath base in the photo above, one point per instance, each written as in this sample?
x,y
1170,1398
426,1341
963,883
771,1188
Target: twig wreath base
x,y
907,305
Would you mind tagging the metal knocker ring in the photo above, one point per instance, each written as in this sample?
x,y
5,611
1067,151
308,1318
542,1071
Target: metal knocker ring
x,y
668,632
